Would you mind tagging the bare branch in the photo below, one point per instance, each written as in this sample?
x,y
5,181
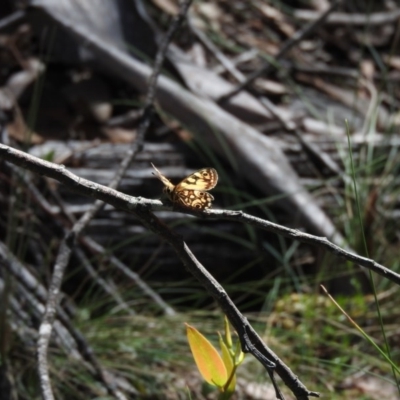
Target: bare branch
x,y
68,242
143,208
131,204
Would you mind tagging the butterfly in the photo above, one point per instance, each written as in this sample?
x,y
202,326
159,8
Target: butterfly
x,y
192,191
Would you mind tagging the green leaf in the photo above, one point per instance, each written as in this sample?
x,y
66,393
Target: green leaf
x,y
229,365
228,336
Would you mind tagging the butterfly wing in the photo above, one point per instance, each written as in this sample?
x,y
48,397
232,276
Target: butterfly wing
x,y
193,198
204,179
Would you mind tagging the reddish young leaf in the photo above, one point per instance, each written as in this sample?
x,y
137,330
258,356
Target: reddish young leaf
x,y
207,358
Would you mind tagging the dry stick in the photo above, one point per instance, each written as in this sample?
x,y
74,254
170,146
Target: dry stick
x,y
353,19
130,204
35,192
249,339
123,268
84,349
268,67
219,55
107,285
141,208
98,249
13,20
30,293
313,150
230,67
68,242
36,296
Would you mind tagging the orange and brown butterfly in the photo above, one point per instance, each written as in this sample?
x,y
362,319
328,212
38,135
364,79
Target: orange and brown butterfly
x,y
192,191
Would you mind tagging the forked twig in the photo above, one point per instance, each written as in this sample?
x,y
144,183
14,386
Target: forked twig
x,y
68,242
130,204
143,210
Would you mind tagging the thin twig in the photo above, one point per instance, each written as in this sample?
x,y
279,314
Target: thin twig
x,y
131,204
124,269
250,341
268,67
107,285
97,248
372,19
67,336
69,240
219,55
